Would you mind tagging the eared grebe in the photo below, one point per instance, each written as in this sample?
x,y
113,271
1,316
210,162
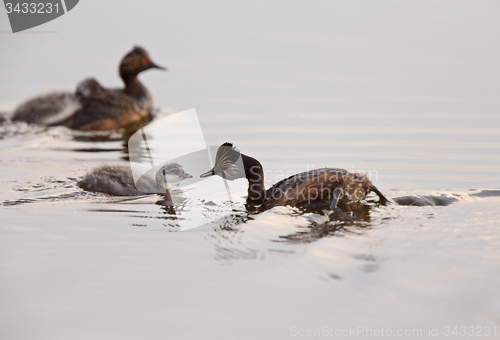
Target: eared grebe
x,y
314,189
93,107
118,180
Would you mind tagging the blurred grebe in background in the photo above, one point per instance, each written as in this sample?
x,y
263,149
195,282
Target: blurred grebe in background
x,y
92,107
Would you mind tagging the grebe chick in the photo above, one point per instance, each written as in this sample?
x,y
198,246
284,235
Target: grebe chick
x,y
85,109
102,109
317,188
118,180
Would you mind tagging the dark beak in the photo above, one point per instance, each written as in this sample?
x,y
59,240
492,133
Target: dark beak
x,y
153,65
208,173
186,175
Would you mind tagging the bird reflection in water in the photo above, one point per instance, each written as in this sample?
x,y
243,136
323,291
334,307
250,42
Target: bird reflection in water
x,y
233,239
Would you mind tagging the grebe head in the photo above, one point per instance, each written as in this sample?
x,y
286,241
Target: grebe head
x,y
136,61
231,164
89,88
228,163
171,173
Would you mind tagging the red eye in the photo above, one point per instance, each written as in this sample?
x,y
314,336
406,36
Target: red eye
x,y
144,61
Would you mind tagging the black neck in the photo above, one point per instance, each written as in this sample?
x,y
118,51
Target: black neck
x,y
135,89
255,175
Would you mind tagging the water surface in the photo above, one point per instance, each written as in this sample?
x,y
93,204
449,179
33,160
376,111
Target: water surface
x,y
79,264
405,91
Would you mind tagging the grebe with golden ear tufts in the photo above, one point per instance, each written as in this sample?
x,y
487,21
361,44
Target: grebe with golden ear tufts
x,y
316,188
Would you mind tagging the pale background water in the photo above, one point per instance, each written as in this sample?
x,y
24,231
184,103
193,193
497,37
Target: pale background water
x,y
407,90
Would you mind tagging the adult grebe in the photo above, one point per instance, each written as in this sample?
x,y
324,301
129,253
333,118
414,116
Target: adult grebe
x,y
93,107
317,188
118,180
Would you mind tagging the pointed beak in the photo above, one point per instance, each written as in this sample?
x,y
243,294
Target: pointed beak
x,y
153,65
208,173
186,175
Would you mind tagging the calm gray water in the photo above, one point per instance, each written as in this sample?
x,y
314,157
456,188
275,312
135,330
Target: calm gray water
x,y
406,91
